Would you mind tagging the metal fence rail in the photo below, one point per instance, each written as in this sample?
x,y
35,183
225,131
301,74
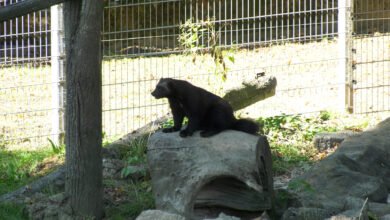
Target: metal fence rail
x,y
201,41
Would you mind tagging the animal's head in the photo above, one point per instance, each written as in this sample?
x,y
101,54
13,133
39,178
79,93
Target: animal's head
x,y
163,88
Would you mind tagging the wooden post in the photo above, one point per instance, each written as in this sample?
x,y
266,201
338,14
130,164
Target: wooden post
x,y
345,54
83,138
57,70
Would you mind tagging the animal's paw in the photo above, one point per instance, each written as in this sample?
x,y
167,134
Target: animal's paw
x,y
185,133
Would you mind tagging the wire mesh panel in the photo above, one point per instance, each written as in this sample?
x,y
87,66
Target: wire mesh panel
x,y
25,80
371,57
213,44
139,38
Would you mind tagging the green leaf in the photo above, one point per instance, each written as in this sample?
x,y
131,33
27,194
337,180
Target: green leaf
x,y
231,59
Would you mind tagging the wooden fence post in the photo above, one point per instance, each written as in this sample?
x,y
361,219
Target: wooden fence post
x,y
84,177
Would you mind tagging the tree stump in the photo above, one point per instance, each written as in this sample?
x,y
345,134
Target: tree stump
x,y
200,177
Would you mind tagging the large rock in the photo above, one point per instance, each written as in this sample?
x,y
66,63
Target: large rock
x,y
359,169
229,172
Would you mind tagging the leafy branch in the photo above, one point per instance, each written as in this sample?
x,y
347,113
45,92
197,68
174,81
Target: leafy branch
x,y
193,33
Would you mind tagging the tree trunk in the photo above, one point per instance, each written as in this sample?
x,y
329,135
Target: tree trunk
x,y
83,107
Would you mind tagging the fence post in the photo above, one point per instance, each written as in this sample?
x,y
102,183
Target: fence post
x,y
345,25
57,69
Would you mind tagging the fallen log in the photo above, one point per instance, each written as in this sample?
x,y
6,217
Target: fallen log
x,y
200,177
250,92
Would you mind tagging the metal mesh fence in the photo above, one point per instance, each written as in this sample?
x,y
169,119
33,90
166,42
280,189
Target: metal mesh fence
x,y
212,44
371,56
146,40
25,79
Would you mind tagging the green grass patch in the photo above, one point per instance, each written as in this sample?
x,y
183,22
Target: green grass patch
x,y
12,212
18,168
286,157
291,138
135,156
139,196
137,193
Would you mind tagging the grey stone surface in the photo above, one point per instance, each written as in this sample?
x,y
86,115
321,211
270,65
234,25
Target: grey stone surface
x,y
263,216
112,167
357,213
324,141
358,169
158,214
380,209
53,207
305,213
220,171
250,92
222,216
385,217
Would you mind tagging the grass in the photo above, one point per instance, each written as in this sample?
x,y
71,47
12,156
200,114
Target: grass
x,y
12,212
137,194
18,168
140,198
135,156
291,138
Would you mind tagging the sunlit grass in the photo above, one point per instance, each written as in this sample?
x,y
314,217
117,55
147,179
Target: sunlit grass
x,y
18,168
291,137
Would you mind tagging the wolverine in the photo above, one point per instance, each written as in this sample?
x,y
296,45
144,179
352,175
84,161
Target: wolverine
x,y
205,111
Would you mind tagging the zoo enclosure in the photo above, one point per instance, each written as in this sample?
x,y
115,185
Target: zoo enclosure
x,y
324,53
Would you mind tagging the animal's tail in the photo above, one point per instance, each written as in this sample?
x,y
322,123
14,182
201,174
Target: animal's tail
x,y
246,125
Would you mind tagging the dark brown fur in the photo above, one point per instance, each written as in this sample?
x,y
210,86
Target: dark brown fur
x,y
205,111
